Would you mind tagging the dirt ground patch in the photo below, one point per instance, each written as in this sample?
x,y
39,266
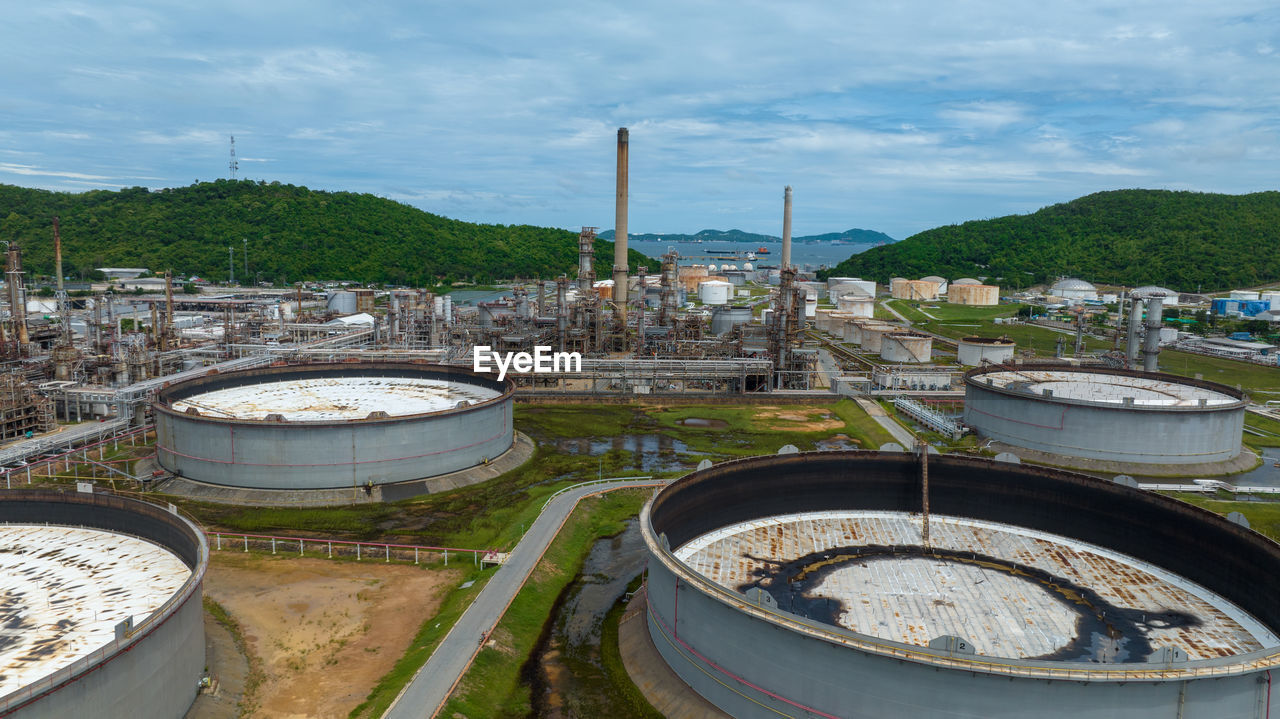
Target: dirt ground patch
x,y
796,419
325,631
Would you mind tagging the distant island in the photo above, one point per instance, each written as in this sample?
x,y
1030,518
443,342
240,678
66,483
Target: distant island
x,y
853,237
1188,241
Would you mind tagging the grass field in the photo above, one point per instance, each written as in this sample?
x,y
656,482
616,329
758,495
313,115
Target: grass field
x,y
1260,381
1264,517
957,321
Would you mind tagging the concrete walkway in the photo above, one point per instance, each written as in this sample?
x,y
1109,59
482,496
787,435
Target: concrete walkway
x,y
435,681
895,313
900,433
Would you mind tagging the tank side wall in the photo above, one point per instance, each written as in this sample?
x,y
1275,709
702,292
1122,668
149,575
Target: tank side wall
x,y
156,678
157,675
747,665
752,668
1237,563
284,456
1107,433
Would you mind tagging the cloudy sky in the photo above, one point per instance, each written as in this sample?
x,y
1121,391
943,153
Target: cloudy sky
x,y
889,116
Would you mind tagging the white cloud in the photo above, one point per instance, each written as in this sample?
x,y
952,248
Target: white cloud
x,y
33,171
979,107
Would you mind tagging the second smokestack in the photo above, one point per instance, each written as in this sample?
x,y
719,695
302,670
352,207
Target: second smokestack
x,y
786,228
620,225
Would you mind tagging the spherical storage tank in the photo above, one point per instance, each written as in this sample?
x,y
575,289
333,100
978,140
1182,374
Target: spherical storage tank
x,y
973,351
1103,414
807,585
314,426
714,292
101,606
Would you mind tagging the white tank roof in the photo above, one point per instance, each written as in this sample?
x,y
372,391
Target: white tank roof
x,y
65,589
1153,291
933,278
1072,283
851,291
335,398
966,281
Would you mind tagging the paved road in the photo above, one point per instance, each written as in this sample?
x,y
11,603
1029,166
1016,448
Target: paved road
x,y
433,683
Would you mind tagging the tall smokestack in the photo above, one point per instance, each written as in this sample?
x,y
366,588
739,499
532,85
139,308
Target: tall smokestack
x,y
620,225
57,253
786,228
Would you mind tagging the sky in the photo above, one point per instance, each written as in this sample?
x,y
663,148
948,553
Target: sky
x,y
888,116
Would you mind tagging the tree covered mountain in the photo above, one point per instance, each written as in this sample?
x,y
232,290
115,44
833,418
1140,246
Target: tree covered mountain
x,y
1183,240
866,237
293,234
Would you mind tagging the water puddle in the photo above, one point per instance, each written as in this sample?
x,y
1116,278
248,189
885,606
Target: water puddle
x,y
703,423
651,453
838,442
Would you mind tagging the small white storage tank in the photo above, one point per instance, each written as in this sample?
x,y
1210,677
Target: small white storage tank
x,y
342,302
816,290
810,306
867,286
856,306
822,320
871,334
724,319
974,350
906,347
1271,296
714,292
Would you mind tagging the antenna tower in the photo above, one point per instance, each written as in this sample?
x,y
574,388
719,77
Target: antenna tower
x,y
234,164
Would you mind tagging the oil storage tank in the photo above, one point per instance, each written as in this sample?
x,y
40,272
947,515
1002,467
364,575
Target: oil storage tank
x,y
714,292
814,585
976,295
317,426
342,302
975,351
906,347
1104,414
101,605
725,318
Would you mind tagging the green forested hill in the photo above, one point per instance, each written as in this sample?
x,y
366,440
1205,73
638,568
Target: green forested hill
x,y
294,234
1183,240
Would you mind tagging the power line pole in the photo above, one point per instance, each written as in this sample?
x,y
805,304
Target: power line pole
x,y
234,164
231,265
245,240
